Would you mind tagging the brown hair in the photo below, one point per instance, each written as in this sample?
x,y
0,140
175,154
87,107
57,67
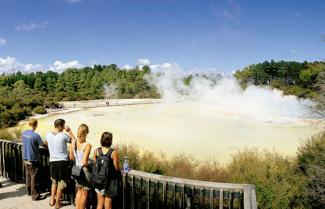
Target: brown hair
x,y
33,122
83,130
107,139
59,123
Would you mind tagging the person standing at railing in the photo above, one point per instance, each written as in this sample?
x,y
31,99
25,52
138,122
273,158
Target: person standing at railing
x,y
31,143
105,172
57,141
79,153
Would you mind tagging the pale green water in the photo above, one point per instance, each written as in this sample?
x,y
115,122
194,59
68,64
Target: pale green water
x,y
185,128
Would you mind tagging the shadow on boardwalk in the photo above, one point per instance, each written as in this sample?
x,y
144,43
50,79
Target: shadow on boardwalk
x,y
13,196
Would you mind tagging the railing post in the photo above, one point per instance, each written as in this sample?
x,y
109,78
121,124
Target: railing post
x,y
124,193
221,199
247,198
253,198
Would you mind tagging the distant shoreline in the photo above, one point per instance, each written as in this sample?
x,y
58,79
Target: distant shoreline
x,y
74,106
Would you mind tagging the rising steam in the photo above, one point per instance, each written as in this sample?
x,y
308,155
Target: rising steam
x,y
226,96
110,91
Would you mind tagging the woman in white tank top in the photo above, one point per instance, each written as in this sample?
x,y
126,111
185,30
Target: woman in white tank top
x,y
79,152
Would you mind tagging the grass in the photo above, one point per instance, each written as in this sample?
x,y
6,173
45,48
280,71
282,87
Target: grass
x,y
279,181
13,134
5,134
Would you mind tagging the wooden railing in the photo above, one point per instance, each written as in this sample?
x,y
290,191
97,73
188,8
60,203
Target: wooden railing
x,y
141,190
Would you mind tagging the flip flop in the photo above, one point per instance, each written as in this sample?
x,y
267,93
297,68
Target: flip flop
x,y
51,204
57,206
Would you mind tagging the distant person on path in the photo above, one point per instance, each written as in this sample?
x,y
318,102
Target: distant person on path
x,y
105,191
79,152
31,143
59,160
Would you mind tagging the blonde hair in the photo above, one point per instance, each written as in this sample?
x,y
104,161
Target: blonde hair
x,y
32,122
83,130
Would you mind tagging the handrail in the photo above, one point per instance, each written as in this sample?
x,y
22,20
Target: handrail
x,y
189,181
139,189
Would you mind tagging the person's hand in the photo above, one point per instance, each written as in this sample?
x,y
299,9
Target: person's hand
x,y
67,128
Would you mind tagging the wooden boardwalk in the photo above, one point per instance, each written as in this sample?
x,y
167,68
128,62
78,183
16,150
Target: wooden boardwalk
x,y
13,196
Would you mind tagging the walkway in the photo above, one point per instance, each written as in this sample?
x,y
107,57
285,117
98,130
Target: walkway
x,y
13,196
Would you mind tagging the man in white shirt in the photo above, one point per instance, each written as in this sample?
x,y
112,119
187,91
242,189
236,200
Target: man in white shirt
x,y
59,159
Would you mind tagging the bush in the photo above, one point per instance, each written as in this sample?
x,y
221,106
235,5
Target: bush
x,y
311,162
5,134
39,110
278,185
133,154
17,132
152,163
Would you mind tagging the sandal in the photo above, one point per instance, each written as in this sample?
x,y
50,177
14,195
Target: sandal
x,y
51,204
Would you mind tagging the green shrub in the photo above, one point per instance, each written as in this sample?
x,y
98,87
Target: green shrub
x,y
152,163
133,154
39,110
311,162
17,132
278,185
5,134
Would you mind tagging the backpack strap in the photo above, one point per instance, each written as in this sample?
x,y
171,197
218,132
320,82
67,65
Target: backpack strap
x,y
75,149
109,153
99,151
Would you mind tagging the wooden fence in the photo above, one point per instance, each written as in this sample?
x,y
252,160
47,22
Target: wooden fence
x,y
140,190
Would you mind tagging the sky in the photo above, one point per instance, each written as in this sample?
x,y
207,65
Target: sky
x,y
222,35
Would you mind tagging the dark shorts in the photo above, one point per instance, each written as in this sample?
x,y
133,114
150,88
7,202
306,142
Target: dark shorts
x,y
59,171
84,181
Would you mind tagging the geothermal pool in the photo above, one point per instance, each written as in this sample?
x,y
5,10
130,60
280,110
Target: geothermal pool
x,y
190,128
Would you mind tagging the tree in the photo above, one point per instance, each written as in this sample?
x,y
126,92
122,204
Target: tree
x,y
38,85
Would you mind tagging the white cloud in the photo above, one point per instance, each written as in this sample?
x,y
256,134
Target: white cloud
x,y
3,41
127,67
143,61
59,66
10,64
163,66
32,25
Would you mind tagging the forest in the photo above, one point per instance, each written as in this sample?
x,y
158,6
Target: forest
x,y
301,79
22,95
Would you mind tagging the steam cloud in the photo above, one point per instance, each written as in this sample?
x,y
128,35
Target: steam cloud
x,y
225,95
110,91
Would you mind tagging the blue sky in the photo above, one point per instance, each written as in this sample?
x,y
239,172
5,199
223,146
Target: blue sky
x,y
196,34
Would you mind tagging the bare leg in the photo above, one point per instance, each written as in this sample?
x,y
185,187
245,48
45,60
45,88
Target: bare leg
x,y
100,201
83,199
58,197
78,198
108,203
53,193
